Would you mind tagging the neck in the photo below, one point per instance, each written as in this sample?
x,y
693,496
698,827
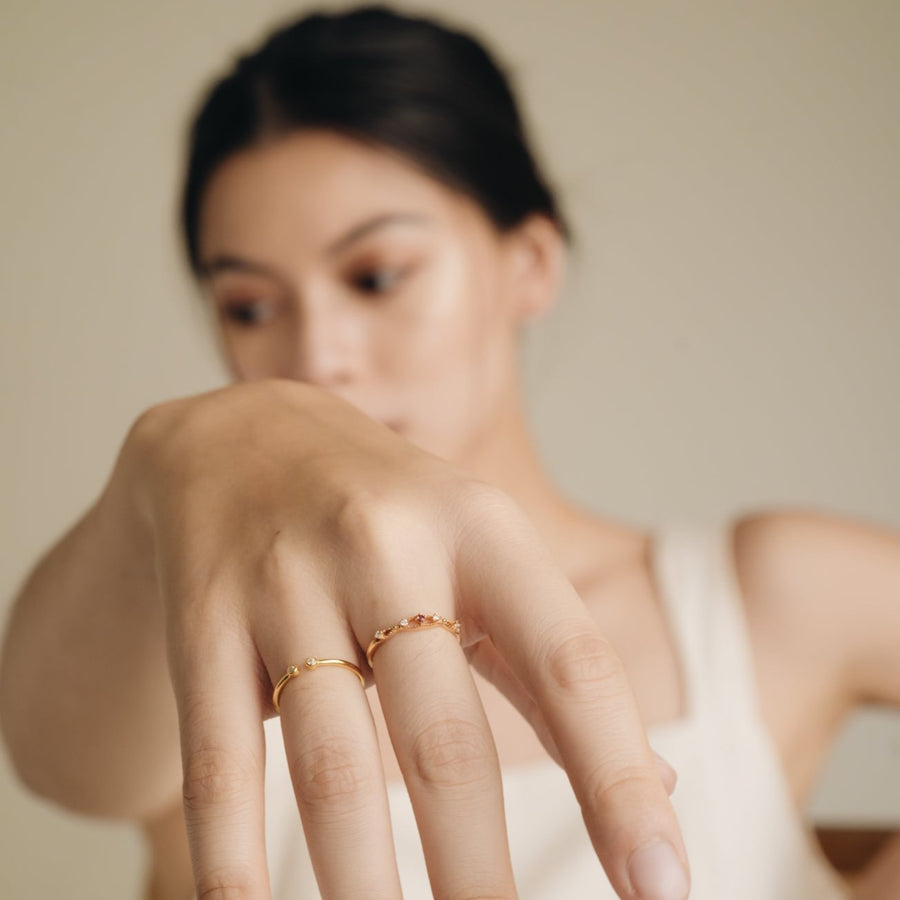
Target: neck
x,y
507,457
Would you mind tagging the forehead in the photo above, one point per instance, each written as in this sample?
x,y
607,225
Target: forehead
x,y
306,188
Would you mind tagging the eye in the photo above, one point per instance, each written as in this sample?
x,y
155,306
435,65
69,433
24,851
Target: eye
x,y
378,281
249,313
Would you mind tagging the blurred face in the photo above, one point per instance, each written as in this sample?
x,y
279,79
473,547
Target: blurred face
x,y
344,266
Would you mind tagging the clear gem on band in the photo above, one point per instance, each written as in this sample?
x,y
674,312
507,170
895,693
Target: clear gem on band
x,y
420,620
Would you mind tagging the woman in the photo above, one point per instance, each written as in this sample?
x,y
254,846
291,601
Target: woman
x,y
362,211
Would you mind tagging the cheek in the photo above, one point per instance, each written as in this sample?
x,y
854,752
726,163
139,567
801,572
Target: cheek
x,y
451,324
450,360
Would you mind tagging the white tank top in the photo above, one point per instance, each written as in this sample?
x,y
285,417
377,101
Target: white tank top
x,y
744,837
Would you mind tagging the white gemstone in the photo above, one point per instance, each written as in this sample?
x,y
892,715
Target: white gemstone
x,y
404,623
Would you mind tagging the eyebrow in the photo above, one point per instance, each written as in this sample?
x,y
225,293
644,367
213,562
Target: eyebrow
x,y
229,262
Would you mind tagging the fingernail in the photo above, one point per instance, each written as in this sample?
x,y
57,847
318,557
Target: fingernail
x,y
657,873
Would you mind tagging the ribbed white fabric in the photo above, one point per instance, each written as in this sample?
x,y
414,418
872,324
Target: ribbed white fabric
x,y
744,837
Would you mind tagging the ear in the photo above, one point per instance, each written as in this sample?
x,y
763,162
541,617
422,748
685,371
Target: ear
x,y
536,266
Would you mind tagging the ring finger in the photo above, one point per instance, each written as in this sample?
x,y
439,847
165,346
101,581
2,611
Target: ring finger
x,y
335,765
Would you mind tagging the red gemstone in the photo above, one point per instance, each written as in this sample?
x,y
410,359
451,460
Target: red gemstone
x,y
419,619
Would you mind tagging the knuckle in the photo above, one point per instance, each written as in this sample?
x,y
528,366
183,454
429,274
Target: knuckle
x,y
619,791
153,428
331,774
481,893
486,505
452,753
380,534
165,436
180,431
364,521
226,884
489,525
279,567
172,417
213,778
157,418
585,664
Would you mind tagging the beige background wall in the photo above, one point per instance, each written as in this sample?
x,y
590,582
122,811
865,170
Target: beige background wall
x,y
728,339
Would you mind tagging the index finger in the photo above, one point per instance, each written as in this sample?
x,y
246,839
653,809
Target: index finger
x,y
543,630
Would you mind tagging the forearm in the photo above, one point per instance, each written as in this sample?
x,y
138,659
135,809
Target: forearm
x,y
85,700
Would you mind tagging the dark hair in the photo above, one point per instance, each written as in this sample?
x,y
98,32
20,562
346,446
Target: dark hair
x,y
406,83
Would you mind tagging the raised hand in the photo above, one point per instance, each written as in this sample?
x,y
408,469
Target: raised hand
x,y
289,526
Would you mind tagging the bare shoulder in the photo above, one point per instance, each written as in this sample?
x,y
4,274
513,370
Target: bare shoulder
x,y
829,585
822,596
169,875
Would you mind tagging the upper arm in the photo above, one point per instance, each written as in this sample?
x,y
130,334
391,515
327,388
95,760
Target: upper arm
x,y
825,590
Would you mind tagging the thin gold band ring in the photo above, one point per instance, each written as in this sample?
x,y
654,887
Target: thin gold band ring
x,y
310,663
413,623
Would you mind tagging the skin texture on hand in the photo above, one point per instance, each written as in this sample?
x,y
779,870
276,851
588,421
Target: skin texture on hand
x,y
287,524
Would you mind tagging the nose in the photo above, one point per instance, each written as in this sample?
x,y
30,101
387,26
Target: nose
x,y
328,346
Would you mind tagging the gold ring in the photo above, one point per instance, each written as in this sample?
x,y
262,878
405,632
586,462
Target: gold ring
x,y
412,624
309,664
